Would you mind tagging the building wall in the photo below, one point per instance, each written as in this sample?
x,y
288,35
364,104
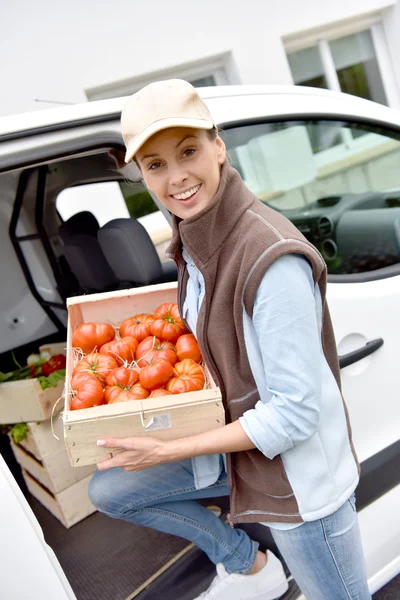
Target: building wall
x,y
55,51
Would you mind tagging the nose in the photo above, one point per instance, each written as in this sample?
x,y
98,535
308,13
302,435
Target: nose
x,y
176,175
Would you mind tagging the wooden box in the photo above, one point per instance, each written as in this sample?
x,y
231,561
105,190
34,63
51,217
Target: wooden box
x,y
54,471
25,401
69,506
169,417
40,440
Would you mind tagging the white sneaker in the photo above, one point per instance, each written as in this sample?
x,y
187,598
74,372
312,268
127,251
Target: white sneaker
x,y
268,584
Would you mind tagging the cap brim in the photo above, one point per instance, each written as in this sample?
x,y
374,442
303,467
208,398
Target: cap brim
x,y
159,126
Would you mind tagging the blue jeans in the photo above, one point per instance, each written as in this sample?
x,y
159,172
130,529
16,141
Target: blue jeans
x,y
324,556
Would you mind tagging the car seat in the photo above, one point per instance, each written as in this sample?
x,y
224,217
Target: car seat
x,y
84,255
131,254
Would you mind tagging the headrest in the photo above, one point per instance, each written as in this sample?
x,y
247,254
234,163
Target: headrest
x,y
82,223
88,264
130,252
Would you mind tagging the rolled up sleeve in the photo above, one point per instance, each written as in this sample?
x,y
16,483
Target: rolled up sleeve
x,y
285,320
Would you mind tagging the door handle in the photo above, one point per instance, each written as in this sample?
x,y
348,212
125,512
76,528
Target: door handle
x,y
351,357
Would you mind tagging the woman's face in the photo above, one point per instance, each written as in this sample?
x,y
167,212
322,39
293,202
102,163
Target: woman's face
x,y
181,166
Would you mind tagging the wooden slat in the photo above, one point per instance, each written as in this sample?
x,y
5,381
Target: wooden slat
x,y
40,440
24,401
81,436
56,348
69,506
55,472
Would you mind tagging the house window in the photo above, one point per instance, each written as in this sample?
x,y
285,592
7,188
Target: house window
x,y
206,81
356,64
202,73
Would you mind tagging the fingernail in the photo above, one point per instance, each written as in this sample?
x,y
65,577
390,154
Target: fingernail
x,y
100,442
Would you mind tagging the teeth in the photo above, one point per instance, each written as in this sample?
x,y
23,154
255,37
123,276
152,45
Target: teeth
x,y
187,194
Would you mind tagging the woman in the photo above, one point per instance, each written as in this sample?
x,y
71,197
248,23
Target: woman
x,y
252,290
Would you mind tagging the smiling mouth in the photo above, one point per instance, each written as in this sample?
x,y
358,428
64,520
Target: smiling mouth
x,y
187,195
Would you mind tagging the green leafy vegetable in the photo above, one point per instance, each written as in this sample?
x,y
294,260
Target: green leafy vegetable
x,y
19,432
23,373
51,380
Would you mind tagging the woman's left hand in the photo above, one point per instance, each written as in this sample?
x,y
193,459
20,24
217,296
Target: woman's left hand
x,y
137,453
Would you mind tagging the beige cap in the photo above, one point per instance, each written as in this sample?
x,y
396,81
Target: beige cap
x,y
160,105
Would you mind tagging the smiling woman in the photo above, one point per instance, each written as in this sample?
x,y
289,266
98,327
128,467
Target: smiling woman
x,y
252,291
181,167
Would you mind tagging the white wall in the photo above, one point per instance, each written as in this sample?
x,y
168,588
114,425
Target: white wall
x,y
53,50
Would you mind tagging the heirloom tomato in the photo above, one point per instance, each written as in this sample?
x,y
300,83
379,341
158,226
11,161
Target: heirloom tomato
x,y
91,336
151,348
95,364
168,324
187,347
122,350
123,378
188,377
87,394
116,394
137,326
156,373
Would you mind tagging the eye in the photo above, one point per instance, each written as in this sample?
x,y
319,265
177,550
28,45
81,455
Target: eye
x,y
189,152
153,166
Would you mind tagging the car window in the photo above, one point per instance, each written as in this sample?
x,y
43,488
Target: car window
x,y
338,183
113,200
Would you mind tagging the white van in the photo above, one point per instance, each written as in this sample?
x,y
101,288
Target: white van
x,y
330,162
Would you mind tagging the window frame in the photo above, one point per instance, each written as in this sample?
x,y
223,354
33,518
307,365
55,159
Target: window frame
x,y
218,66
321,37
381,129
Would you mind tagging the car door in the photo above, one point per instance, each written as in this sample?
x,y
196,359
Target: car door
x,y
338,181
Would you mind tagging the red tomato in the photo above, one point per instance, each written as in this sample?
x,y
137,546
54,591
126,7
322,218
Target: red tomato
x,y
96,364
80,376
159,392
91,336
187,347
116,394
88,393
123,377
122,350
137,326
152,348
55,363
146,346
156,374
189,377
168,324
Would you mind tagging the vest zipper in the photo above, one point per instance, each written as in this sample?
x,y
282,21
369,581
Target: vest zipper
x,y
205,350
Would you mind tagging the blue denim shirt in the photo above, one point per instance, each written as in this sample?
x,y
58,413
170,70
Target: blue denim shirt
x,y
285,322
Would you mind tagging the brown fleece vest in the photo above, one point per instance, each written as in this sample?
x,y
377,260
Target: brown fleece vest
x,y
232,242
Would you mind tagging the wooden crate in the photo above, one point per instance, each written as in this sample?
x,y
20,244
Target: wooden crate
x,y
40,440
69,506
168,417
25,401
54,471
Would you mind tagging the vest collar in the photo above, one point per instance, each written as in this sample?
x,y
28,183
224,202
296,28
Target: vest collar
x,y
205,232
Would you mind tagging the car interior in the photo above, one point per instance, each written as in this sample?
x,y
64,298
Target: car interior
x,y
357,233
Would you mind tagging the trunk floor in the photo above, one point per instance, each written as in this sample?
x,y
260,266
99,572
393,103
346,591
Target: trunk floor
x,y
109,559
104,558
